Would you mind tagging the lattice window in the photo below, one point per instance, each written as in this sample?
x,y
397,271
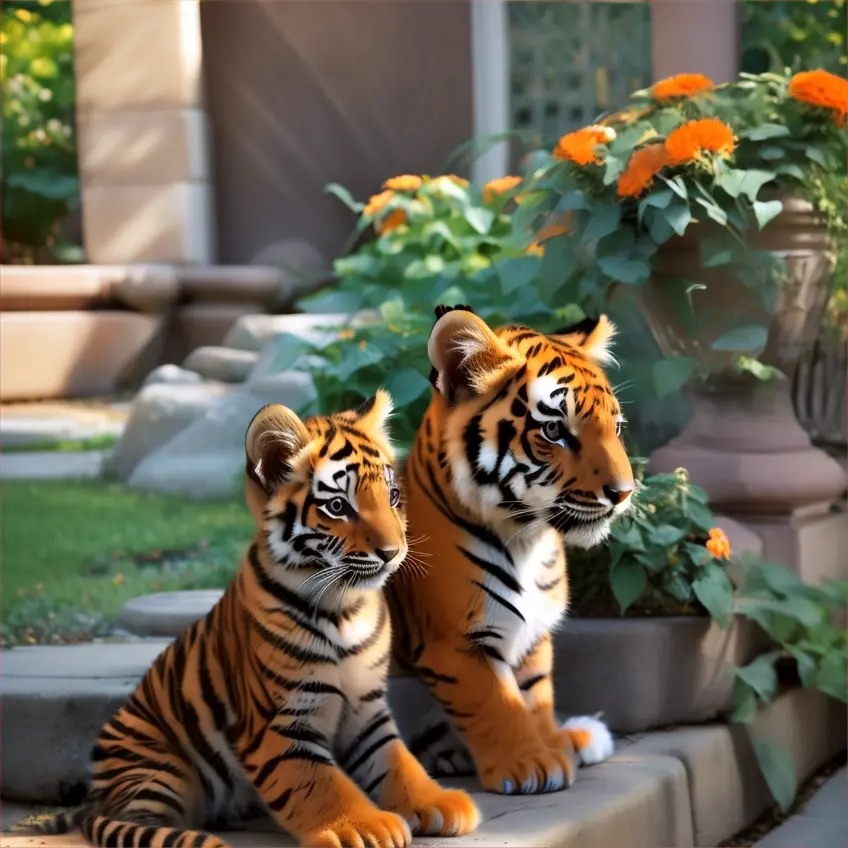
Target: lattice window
x,y
572,61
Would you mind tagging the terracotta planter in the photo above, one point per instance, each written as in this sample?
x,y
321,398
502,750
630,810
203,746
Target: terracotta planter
x,y
744,444
651,672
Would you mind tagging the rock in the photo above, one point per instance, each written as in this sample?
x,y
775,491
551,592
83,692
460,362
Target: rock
x,y
304,267
253,332
205,460
172,375
221,363
167,613
157,414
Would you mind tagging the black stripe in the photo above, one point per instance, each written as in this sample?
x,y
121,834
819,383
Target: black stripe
x,y
343,452
527,685
148,794
502,601
280,802
494,570
373,726
546,587
366,755
375,782
373,695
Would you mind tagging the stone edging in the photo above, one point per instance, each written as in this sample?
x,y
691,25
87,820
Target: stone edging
x,y
684,787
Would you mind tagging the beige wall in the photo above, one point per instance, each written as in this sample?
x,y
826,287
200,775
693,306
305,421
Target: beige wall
x,y
300,93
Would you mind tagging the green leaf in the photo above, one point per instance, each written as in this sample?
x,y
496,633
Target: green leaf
x,y
744,703
678,217
630,537
288,348
758,369
45,183
714,211
517,272
572,201
345,196
714,590
748,182
765,211
801,609
558,263
602,221
831,677
666,535
671,374
658,199
772,153
406,385
659,228
760,675
356,358
336,300
749,337
480,218
628,580
806,666
815,155
677,185
790,169
778,769
625,269
764,131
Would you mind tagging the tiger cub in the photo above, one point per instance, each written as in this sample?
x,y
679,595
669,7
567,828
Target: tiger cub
x,y
278,696
518,454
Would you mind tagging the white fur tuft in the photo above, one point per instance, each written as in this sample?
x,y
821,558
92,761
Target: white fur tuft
x,y
600,746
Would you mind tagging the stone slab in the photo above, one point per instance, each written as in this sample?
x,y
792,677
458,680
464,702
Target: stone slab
x,y
20,431
806,832
829,801
53,465
167,613
221,363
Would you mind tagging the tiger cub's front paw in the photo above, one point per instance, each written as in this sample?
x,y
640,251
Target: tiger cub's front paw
x,y
367,826
529,770
442,812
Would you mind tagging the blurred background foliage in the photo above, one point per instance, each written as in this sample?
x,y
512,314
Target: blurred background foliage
x,y
40,185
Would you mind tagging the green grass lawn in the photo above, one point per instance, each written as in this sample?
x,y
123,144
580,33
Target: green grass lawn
x,y
74,552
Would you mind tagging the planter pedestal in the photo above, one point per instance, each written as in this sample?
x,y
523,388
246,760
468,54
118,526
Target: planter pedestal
x,y
745,447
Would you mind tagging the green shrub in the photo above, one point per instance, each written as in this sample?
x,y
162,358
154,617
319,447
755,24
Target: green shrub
x,y
39,166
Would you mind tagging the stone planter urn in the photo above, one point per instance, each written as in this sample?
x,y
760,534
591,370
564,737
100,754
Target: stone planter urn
x,y
744,444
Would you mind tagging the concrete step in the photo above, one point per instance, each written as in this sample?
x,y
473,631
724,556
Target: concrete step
x,y
684,787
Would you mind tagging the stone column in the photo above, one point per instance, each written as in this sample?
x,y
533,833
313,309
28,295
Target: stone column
x,y
142,134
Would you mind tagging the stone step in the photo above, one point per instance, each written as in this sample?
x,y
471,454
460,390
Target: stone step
x,y
221,363
684,787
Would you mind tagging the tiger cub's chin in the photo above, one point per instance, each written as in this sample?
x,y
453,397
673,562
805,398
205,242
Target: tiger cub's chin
x,y
589,535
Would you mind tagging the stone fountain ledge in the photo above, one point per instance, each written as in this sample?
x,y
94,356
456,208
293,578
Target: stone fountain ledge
x,y
690,786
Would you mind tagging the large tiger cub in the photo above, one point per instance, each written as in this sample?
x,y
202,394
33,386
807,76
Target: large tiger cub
x,y
518,453
278,696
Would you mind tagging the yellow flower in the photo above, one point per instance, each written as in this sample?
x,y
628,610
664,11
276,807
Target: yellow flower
x,y
718,544
377,202
396,218
499,186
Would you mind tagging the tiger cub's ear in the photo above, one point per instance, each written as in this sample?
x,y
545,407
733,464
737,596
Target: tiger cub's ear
x,y
467,357
373,416
275,441
593,336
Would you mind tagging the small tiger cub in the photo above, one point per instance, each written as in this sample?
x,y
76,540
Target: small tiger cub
x,y
279,695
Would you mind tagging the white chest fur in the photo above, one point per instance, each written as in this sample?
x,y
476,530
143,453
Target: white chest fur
x,y
517,609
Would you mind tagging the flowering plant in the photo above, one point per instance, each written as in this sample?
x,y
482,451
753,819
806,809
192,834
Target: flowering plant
x,y
434,240
688,152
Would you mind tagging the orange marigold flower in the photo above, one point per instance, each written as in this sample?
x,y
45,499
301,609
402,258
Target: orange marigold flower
x,y
396,218
404,182
823,89
535,249
493,188
376,202
580,147
644,165
681,85
718,544
694,138
460,181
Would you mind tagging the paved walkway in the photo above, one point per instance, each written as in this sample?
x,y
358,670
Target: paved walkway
x,y
821,822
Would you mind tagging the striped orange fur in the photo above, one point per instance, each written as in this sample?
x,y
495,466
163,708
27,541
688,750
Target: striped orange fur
x,y
276,701
518,453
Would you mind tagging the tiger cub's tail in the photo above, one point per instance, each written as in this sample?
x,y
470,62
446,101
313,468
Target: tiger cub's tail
x,y
102,831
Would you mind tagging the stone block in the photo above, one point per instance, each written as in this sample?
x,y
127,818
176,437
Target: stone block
x,y
650,672
253,332
146,53
136,148
158,413
148,223
167,613
814,545
264,286
198,324
71,354
221,363
172,375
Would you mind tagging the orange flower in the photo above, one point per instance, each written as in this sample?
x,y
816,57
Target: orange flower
x,y
718,544
460,181
376,202
535,249
405,182
644,165
681,85
579,147
690,140
493,188
549,231
396,218
819,88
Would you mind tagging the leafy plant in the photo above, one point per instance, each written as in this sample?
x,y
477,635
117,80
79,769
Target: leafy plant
x,y
687,152
39,180
437,240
